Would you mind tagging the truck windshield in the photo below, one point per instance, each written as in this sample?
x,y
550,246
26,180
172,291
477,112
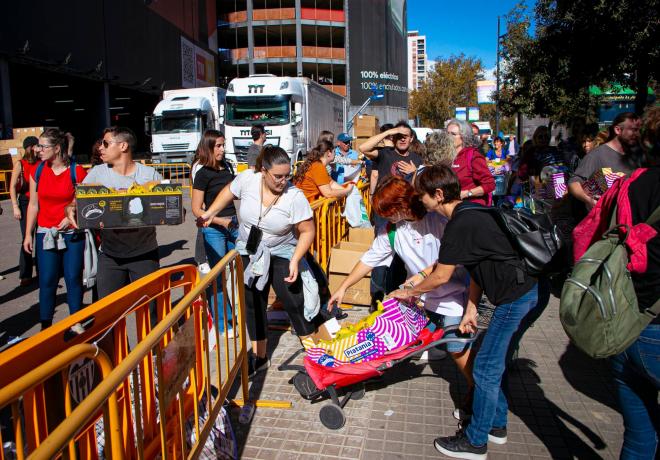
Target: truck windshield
x,y
171,123
250,110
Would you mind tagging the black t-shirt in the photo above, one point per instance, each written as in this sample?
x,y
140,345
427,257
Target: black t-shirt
x,y
474,239
211,182
644,195
126,243
387,159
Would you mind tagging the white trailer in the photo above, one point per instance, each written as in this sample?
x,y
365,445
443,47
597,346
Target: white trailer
x,y
180,119
293,111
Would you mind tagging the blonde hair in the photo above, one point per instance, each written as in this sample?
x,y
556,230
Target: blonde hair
x,y
440,149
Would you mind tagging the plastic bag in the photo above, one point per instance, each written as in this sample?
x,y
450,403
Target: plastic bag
x,y
355,211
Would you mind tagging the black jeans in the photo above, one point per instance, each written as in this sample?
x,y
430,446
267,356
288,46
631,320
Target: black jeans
x,y
25,259
291,295
116,272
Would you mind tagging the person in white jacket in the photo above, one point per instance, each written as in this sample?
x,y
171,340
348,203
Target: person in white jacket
x,y
414,235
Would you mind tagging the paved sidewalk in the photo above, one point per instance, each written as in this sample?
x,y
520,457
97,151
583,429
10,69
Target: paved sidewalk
x,y
562,406
562,403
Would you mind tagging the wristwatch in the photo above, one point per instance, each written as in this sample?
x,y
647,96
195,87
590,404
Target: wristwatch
x,y
469,193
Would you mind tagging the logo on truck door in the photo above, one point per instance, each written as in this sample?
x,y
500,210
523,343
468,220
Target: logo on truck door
x,y
254,89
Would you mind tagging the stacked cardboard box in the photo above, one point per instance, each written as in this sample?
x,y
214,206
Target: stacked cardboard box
x,y
343,258
365,127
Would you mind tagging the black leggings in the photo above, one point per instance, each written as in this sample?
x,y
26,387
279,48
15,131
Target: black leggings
x,y
291,295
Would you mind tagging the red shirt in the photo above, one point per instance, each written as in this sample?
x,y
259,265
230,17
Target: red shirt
x,y
472,177
55,193
28,170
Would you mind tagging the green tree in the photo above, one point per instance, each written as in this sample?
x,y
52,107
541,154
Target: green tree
x,y
452,83
575,44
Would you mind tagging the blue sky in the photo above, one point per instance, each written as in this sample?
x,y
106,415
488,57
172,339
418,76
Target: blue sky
x,y
454,27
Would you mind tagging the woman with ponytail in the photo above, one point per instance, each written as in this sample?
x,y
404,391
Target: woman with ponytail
x,y
59,247
312,176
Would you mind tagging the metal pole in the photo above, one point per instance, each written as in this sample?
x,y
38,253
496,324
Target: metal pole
x,y
497,89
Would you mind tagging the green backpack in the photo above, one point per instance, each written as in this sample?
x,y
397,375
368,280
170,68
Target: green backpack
x,y
598,307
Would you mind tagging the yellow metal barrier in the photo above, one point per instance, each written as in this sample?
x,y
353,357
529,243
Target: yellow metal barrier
x,y
331,226
5,180
134,389
176,172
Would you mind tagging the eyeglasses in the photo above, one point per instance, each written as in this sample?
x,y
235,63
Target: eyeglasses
x,y
278,177
106,144
43,146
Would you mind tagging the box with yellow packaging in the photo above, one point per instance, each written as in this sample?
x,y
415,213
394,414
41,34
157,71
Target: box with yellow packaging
x,y
394,325
148,204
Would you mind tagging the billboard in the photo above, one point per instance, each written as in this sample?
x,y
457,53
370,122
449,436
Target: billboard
x,y
461,113
377,51
486,91
197,66
473,114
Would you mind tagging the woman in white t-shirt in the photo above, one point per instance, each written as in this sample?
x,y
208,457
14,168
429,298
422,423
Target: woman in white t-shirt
x,y
414,235
276,230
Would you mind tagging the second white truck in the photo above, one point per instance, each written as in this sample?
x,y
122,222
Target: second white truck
x,y
293,111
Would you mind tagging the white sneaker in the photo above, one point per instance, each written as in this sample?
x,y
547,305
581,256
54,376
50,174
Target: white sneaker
x,y
204,268
78,329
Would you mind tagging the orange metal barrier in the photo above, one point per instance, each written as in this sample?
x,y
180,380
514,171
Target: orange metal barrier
x,y
331,226
169,363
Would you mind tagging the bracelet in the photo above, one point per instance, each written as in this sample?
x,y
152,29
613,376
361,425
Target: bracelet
x,y
422,274
410,284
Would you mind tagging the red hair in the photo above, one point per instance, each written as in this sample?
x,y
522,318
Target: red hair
x,y
396,195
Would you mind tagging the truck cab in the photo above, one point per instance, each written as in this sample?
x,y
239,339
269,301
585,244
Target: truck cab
x,y
179,121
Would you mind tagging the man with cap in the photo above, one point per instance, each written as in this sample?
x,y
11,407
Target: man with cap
x,y
347,165
20,197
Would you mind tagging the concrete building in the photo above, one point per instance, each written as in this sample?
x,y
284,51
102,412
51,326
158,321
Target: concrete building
x,y
417,60
345,45
82,66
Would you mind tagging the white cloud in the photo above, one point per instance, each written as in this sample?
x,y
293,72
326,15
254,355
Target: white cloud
x,y
430,63
489,74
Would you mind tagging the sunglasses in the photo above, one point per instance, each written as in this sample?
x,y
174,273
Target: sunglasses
x,y
106,144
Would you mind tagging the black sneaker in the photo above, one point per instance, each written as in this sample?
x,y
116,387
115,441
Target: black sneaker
x,y
497,435
458,446
257,364
464,412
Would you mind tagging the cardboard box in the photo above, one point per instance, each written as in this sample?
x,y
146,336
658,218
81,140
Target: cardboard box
x,y
343,258
361,235
366,126
326,331
140,206
22,133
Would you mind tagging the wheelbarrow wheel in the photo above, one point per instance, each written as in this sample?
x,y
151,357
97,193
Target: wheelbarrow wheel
x,y
332,416
304,384
358,393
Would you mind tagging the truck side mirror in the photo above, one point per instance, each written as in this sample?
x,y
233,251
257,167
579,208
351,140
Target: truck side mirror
x,y
297,112
147,125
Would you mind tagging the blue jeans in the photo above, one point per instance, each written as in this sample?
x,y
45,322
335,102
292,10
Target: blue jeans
x,y
218,241
52,262
637,375
489,408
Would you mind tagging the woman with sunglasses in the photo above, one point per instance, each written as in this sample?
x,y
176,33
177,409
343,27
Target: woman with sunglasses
x,y
220,236
59,248
312,176
276,230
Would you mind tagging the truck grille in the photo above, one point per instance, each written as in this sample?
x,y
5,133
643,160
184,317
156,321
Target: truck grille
x,y
241,154
174,147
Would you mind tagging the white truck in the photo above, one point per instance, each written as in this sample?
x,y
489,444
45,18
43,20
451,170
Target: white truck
x,y
180,119
293,110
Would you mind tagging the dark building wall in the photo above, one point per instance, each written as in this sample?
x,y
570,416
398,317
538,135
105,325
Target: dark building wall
x,y
83,64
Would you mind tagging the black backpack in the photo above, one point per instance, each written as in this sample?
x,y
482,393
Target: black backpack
x,y
533,236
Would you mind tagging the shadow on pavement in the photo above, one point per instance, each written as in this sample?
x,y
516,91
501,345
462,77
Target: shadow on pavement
x,y
550,424
591,377
9,270
167,249
23,321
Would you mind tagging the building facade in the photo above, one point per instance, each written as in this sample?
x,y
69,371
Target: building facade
x,y
82,66
345,45
417,60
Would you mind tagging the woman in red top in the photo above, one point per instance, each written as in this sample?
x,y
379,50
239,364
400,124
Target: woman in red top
x,y
58,247
477,183
20,199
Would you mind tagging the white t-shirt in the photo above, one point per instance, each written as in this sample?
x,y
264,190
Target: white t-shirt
x,y
291,208
418,245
